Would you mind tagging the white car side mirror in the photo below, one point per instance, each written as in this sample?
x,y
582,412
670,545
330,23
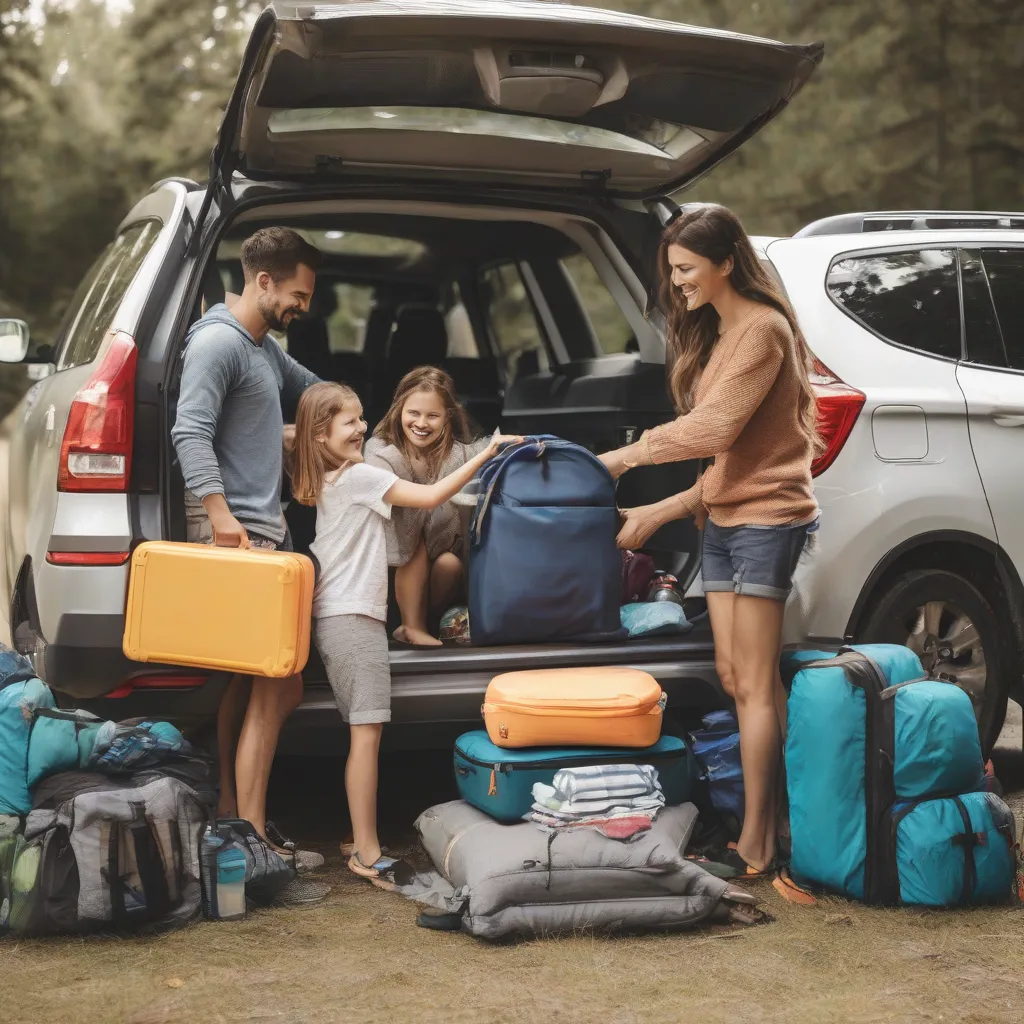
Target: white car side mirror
x,y
13,340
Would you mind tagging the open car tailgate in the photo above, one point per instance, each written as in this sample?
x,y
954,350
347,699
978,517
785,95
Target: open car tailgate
x,y
521,93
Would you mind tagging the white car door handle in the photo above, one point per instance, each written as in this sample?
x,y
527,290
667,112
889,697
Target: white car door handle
x,y
1008,418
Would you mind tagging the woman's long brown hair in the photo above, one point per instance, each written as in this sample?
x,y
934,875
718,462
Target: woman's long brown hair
x,y
457,425
311,461
716,233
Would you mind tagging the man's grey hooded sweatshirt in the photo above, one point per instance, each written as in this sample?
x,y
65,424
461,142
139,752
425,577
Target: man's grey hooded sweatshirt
x,y
229,429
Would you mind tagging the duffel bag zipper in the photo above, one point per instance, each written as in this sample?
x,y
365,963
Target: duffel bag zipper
x,y
546,710
504,767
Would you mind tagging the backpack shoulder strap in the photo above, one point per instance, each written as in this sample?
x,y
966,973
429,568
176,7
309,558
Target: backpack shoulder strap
x,y
533,447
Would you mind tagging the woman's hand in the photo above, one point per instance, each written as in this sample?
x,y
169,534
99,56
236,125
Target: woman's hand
x,y
638,524
615,462
629,457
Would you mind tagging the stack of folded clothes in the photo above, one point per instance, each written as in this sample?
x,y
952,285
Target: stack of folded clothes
x,y
619,800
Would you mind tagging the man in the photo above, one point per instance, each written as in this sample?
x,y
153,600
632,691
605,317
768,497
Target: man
x,y
229,435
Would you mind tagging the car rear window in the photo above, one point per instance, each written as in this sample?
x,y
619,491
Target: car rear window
x,y
909,298
116,272
514,326
1004,269
608,322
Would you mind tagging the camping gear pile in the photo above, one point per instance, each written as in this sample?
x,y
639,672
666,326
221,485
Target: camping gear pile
x,y
579,755
888,797
100,822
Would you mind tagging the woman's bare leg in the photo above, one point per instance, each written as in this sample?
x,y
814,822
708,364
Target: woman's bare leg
x,y
756,633
720,611
412,581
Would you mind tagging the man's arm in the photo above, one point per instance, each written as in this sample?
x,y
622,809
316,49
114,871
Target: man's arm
x,y
210,367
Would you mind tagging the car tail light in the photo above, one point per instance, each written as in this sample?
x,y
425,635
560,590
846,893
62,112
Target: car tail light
x,y
87,557
96,453
839,405
158,682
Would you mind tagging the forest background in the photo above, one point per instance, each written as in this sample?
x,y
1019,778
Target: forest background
x,y
918,105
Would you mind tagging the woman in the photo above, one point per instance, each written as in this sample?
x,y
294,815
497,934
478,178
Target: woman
x,y
740,381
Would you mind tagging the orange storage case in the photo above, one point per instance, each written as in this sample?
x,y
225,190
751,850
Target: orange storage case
x,y
227,609
574,707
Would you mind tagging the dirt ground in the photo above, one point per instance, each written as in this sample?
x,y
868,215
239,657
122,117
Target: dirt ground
x,y
360,957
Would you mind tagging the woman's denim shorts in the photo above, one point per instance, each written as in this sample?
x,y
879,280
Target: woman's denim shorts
x,y
757,561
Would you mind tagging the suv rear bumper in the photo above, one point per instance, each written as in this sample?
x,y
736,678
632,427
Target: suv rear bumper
x,y
434,693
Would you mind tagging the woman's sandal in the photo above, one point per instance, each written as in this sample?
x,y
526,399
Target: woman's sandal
x,y
790,891
370,871
730,865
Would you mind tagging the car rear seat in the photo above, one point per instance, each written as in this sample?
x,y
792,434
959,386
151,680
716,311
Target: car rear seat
x,y
309,343
478,388
418,338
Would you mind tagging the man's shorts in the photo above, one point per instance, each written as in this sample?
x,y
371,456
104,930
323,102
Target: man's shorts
x,y
758,561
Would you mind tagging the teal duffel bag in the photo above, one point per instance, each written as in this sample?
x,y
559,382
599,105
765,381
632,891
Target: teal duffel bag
x,y
500,782
952,851
886,783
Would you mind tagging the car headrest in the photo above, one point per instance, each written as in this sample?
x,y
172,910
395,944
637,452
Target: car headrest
x,y
419,338
309,342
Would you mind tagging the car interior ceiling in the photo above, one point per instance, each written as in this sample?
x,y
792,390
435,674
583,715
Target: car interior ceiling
x,y
401,278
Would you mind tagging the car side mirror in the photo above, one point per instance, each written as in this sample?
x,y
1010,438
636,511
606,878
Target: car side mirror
x,y
13,341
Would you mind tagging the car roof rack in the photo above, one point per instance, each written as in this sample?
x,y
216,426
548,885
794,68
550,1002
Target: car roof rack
x,y
912,220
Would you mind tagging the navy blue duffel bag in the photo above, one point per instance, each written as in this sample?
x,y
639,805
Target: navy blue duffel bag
x,y
543,564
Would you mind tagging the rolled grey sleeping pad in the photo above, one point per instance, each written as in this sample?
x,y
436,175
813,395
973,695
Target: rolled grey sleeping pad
x,y
522,880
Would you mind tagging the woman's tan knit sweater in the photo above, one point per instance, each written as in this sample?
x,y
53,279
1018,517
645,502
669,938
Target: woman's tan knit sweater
x,y
745,418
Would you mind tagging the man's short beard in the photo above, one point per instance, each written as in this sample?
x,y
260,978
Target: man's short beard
x,y
269,315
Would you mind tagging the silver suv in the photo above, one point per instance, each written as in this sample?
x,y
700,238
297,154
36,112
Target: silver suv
x,y
488,183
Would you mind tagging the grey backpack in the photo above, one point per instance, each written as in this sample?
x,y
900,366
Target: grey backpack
x,y
117,854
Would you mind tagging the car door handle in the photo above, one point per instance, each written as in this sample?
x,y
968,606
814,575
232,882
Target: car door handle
x,y
1008,418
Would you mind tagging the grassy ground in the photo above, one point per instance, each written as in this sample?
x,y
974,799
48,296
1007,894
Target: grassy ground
x,y
360,957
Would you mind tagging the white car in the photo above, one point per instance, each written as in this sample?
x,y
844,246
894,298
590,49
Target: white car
x,y
921,316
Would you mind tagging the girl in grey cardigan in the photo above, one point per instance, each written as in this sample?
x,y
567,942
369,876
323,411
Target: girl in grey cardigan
x,y
424,437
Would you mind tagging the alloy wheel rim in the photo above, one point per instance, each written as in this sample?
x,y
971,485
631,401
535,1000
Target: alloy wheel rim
x,y
949,646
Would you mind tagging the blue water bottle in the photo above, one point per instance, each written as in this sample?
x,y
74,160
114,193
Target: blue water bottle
x,y
222,865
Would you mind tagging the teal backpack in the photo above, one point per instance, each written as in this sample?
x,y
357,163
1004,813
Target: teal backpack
x,y
886,784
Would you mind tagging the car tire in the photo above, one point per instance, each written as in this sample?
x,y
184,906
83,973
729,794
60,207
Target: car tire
x,y
955,631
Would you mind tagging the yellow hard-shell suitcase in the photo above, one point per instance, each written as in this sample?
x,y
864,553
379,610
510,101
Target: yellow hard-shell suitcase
x,y
226,609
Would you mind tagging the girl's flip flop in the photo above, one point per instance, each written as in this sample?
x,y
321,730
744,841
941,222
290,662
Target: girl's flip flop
x,y
370,871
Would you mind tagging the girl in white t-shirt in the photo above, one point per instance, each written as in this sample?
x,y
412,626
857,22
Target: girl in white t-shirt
x,y
353,502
